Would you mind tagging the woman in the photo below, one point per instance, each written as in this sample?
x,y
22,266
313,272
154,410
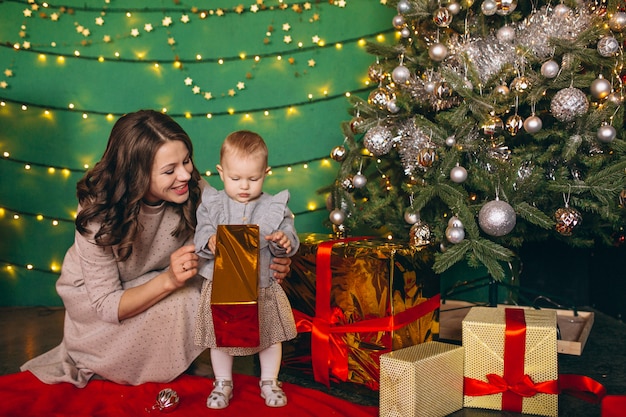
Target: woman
x,y
129,283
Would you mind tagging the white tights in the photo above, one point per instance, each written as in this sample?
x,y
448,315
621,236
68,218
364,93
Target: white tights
x,y
269,358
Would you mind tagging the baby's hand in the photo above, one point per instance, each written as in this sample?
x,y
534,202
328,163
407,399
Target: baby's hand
x,y
212,243
281,239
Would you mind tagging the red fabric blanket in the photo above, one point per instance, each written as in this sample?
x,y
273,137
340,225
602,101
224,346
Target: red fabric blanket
x,y
23,395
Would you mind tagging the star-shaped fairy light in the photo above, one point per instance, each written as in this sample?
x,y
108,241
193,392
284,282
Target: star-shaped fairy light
x,y
184,18
28,13
287,39
8,72
239,9
167,21
231,92
219,12
316,39
208,95
196,89
3,84
296,8
106,38
86,32
134,32
54,17
79,28
188,81
311,62
26,45
254,8
99,21
148,27
171,41
307,6
341,3
286,27
240,85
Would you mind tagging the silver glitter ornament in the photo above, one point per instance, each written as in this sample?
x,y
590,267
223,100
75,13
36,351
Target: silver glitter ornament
x,y
533,124
550,69
359,180
608,46
400,74
617,22
167,400
567,218
568,104
338,153
455,234
378,140
497,218
600,87
438,52
337,216
606,133
458,174
514,124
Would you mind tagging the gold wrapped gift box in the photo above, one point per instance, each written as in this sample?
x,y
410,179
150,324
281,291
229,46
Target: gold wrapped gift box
x,y
424,380
355,299
511,360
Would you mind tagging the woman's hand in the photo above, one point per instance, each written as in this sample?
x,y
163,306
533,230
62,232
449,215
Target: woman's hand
x,y
281,267
183,265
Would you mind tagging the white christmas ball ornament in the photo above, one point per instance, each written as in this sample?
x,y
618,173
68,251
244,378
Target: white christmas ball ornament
x,y
359,180
606,133
533,124
337,217
497,218
458,174
438,52
550,69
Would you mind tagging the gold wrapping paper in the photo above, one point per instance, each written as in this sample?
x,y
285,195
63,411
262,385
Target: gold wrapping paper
x,y
425,380
483,341
370,279
236,271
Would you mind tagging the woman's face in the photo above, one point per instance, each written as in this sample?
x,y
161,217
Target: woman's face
x,y
171,172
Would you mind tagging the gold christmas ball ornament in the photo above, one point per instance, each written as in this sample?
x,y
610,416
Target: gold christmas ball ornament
x,y
514,124
520,84
505,7
379,98
356,124
567,218
376,72
426,157
338,153
497,218
493,125
617,22
503,90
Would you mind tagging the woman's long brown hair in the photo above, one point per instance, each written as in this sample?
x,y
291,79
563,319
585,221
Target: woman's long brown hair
x,y
111,192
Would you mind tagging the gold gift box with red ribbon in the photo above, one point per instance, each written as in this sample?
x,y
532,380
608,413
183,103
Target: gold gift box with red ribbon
x,y
355,299
511,360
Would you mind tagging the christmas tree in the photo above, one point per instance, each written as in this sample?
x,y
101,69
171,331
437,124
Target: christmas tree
x,y
490,123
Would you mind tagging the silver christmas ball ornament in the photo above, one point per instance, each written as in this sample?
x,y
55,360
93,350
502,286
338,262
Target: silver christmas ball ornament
x,y
606,133
337,216
400,74
600,87
506,34
455,222
359,180
392,106
550,69
405,32
458,174
568,104
561,10
489,7
497,218
411,216
403,6
438,52
430,86
455,234
616,98
608,46
398,21
617,22
505,7
454,7
533,124
451,141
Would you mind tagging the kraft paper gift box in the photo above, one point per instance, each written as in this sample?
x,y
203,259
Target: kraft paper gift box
x,y
424,380
511,360
235,286
355,299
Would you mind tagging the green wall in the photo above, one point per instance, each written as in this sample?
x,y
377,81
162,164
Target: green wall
x,y
67,73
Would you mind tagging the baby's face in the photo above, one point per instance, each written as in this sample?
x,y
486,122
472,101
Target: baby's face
x,y
242,176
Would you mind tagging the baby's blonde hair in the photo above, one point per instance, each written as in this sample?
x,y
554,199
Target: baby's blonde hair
x,y
245,143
